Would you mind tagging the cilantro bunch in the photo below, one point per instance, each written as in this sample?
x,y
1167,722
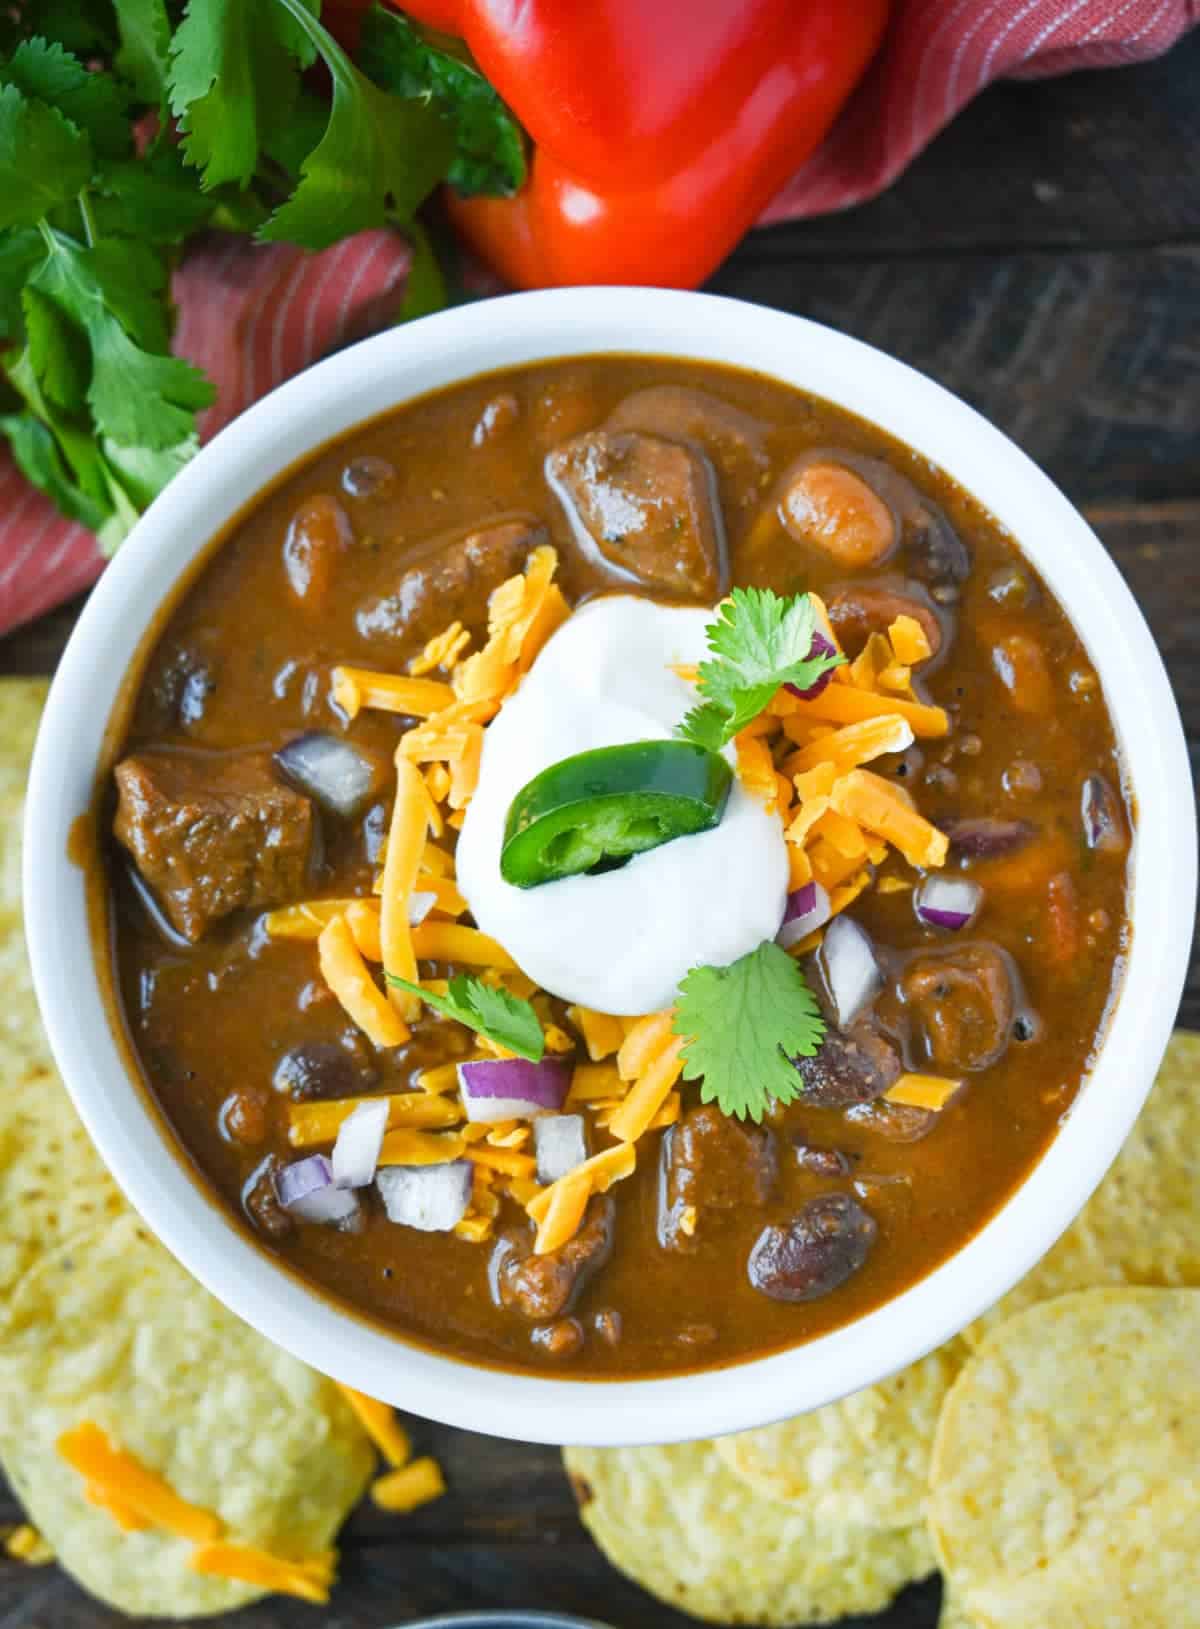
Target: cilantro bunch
x,y
127,126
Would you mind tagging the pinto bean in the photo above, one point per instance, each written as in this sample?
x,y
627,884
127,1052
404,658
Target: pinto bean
x,y
962,1002
831,508
319,531
819,1249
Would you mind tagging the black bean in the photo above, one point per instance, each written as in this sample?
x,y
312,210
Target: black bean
x,y
853,1067
814,1253
321,1069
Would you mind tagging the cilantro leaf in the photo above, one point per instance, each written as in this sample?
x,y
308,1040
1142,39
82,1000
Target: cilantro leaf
x,y
759,642
154,198
20,252
138,396
234,78
490,1011
44,159
489,149
379,154
93,102
743,1025
38,457
57,351
144,56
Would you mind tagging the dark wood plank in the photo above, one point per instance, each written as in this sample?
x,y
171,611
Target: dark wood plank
x,y
1095,159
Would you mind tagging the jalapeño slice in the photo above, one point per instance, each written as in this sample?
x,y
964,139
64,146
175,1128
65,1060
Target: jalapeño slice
x,y
598,809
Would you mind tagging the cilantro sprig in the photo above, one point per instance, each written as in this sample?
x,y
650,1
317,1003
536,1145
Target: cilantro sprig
x,y
97,411
489,1010
759,642
743,1024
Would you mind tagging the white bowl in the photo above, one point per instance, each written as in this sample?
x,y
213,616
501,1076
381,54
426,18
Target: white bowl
x,y
354,386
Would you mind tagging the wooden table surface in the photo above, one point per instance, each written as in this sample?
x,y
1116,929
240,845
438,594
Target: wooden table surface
x,y
1042,260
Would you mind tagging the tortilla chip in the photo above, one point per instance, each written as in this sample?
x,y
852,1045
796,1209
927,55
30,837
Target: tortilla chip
x,y
1064,1489
21,703
953,1614
1142,1225
680,1525
863,1460
52,1182
109,1328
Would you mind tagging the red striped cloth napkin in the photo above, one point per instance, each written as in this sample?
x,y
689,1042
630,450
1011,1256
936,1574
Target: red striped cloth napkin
x,y
252,316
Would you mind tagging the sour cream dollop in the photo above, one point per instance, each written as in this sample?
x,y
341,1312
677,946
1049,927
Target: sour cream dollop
x,y
620,941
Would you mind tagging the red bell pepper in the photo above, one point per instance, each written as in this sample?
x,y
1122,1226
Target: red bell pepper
x,y
707,106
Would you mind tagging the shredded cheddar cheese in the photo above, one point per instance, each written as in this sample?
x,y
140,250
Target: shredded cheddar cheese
x,y
441,651
358,687
644,1042
593,1082
923,1091
847,749
405,847
602,1170
909,641
568,1198
311,1124
133,1486
403,1490
24,1543
406,1147
449,942
381,1425
883,809
649,1093
348,976
843,704
310,1579
305,920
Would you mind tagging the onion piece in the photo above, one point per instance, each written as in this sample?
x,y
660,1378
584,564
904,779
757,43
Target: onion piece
x,y
305,1188
947,902
330,770
512,1088
1100,811
419,907
807,910
432,1198
560,1142
982,837
851,971
820,647
359,1139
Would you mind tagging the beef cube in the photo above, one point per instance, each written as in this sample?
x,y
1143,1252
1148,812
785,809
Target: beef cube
x,y
541,1288
212,835
646,507
711,1163
453,579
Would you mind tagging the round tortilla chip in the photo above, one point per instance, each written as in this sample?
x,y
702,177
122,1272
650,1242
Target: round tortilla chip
x,y
21,704
862,1460
1065,1487
109,1328
954,1614
52,1182
1142,1225
680,1525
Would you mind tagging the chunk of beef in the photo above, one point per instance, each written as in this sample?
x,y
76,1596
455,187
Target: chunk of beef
x,y
855,1067
961,1004
817,1251
646,507
544,1288
732,439
451,579
711,1163
212,835
858,610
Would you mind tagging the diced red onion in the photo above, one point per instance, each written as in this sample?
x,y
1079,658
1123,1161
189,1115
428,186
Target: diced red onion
x,y
1103,826
560,1142
807,910
512,1088
330,770
851,971
306,1189
419,907
820,647
359,1139
983,837
432,1198
947,902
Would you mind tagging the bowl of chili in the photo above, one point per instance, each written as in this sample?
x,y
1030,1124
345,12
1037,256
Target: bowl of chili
x,y
97,1042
